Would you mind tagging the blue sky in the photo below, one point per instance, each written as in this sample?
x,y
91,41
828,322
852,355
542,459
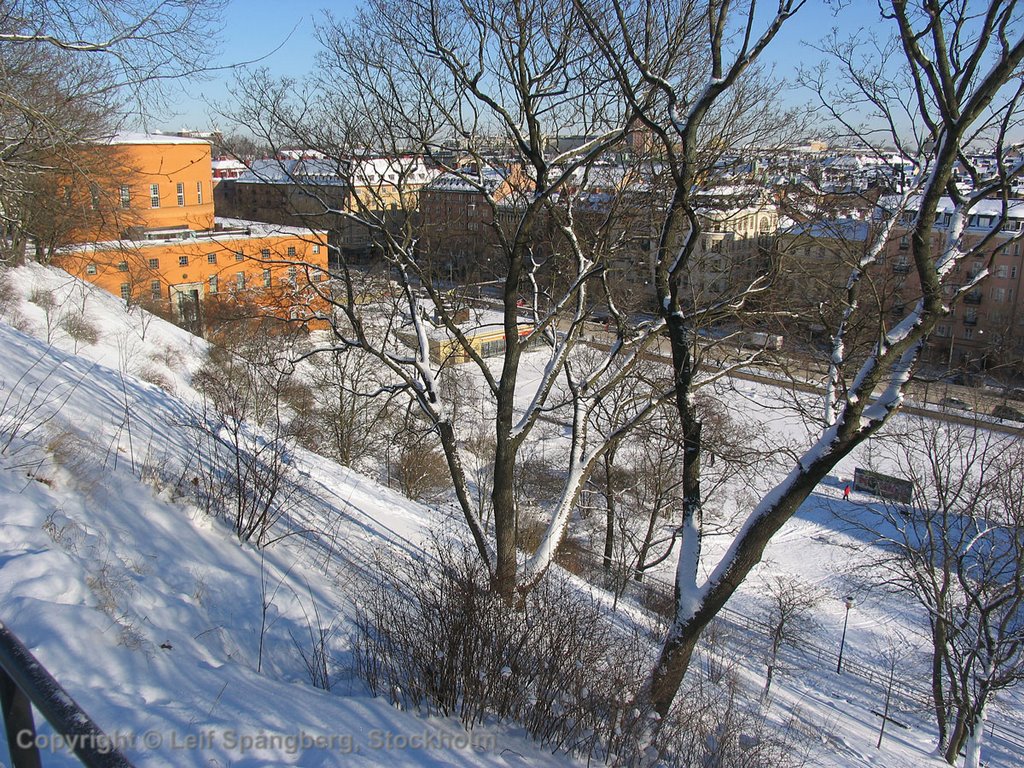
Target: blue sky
x,y
282,31
279,30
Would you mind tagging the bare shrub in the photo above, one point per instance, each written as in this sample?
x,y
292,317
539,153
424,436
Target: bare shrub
x,y
246,476
46,301
346,423
444,642
64,531
79,329
420,472
199,588
316,658
167,355
245,479
439,640
158,378
714,725
8,295
109,582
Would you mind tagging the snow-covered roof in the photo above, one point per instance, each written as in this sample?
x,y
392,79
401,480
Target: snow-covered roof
x,y
986,207
262,229
479,323
128,137
328,172
227,230
226,163
837,229
470,180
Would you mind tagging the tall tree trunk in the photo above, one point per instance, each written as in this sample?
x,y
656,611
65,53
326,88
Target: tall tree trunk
x,y
609,502
974,738
505,523
696,610
672,664
938,697
957,737
446,430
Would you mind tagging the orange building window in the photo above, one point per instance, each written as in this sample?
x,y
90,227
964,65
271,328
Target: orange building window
x,y
154,195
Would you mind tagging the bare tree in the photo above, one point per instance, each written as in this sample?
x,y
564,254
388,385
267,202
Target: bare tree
x,y
789,619
348,418
73,72
479,94
250,420
953,104
958,551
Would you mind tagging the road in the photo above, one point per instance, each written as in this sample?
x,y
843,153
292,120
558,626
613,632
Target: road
x,y
922,397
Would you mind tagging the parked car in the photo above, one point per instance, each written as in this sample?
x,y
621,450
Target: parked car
x,y
955,403
1008,413
760,340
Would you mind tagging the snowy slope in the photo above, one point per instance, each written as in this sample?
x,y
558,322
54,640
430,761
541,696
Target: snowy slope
x,y
149,613
152,615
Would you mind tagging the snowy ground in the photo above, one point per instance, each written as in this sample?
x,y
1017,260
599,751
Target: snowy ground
x,y
183,645
147,612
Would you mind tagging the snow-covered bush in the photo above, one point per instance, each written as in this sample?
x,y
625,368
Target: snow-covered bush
x,y
245,441
433,637
442,641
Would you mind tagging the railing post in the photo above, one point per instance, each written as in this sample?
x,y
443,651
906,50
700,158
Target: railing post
x,y
17,711
24,680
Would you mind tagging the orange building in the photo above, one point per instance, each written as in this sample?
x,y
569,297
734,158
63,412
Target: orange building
x,y
150,236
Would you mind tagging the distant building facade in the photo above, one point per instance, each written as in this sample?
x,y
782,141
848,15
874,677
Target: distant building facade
x,y
331,195
985,326
150,236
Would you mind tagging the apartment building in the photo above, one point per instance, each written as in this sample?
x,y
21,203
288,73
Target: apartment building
x,y
150,236
738,226
985,328
458,214
335,195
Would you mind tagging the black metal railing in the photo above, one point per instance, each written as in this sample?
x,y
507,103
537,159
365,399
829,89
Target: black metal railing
x,y
24,683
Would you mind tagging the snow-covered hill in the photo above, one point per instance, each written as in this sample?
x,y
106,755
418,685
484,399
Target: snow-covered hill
x,y
149,613
187,647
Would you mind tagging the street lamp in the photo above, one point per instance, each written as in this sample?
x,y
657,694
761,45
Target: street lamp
x,y
842,643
